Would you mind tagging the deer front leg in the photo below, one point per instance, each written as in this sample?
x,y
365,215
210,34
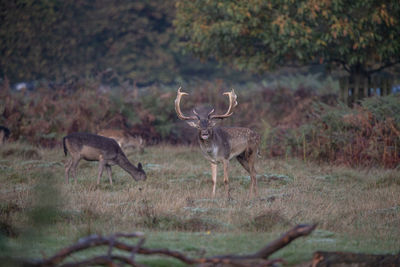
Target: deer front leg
x,y
253,175
214,177
253,185
226,179
101,167
108,168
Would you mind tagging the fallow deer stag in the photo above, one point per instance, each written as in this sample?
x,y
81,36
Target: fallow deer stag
x,y
220,144
106,151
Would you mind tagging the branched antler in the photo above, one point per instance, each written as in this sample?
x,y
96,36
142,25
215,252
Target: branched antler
x,y
257,259
178,106
232,104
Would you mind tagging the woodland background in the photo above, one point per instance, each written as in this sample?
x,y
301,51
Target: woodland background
x,y
84,65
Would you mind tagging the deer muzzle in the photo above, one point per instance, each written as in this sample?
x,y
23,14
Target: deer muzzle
x,y
204,134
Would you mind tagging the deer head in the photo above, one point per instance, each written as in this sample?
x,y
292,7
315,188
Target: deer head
x,y
205,121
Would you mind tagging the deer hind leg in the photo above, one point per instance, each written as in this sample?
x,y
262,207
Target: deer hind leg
x,y
108,168
214,177
75,162
226,178
247,159
68,165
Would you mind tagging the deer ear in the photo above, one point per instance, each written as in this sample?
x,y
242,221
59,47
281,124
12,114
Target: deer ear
x,y
140,167
193,124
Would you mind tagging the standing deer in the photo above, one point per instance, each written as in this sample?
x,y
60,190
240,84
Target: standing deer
x,y
124,139
105,150
220,144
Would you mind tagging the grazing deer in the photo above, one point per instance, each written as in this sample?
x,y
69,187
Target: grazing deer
x,y
220,144
4,134
93,147
124,139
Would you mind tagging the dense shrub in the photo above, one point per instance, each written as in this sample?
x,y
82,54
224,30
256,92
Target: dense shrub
x,y
298,122
43,116
366,135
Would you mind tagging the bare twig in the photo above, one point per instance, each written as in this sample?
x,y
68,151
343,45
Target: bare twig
x,y
82,244
265,252
285,239
136,249
257,259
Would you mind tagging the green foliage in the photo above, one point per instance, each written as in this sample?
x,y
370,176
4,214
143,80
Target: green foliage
x,y
116,42
384,108
62,39
359,35
159,112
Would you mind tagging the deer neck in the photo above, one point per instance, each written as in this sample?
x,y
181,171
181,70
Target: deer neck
x,y
214,148
125,164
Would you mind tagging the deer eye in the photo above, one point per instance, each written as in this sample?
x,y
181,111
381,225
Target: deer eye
x,y
193,124
211,123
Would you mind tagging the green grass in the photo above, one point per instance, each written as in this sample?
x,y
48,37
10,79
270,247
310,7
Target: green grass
x,y
356,210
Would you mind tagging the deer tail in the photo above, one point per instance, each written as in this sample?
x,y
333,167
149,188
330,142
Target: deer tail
x,y
65,147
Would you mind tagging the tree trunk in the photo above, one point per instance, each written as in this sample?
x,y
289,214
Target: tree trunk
x,y
353,88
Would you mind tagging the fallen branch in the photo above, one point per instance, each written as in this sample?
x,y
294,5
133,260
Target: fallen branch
x,y
322,259
297,231
256,259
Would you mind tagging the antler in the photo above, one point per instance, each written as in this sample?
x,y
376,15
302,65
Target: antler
x,y
178,108
232,104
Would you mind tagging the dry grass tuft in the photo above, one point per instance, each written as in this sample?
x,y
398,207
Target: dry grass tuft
x,y
362,204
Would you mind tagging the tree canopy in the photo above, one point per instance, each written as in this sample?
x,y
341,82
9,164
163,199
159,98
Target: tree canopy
x,y
362,36
55,39
130,40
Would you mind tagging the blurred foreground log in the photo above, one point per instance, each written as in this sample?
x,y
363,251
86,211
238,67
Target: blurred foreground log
x,y
324,259
65,257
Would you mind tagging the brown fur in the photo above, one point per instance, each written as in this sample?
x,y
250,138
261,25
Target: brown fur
x,y
124,139
93,147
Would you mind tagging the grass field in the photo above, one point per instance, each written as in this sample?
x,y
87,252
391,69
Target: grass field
x,y
356,210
